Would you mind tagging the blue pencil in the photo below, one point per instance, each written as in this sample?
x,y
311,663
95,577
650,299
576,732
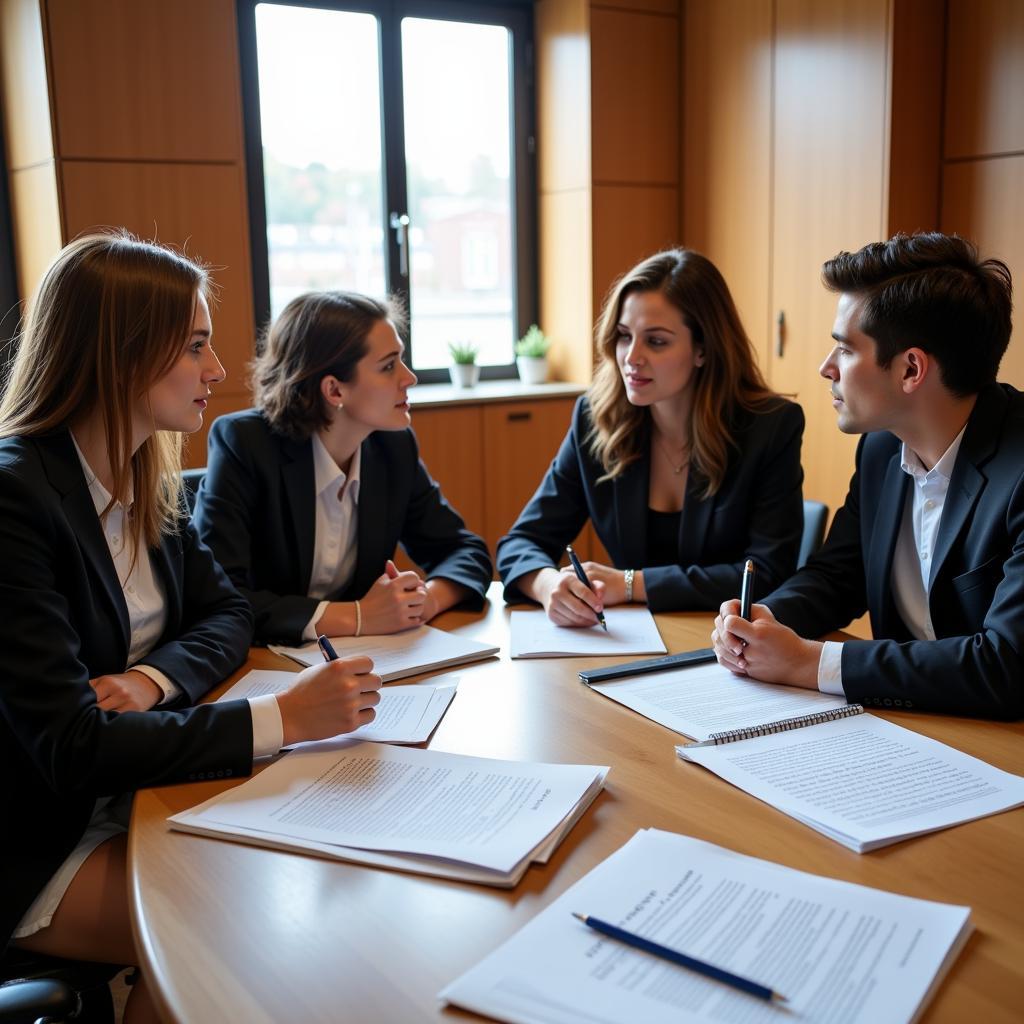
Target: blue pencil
x,y
674,956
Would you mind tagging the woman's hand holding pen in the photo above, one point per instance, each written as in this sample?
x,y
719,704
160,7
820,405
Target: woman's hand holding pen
x,y
329,699
567,601
763,648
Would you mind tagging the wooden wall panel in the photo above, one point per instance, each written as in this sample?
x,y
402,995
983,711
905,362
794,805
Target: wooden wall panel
x,y
35,217
630,222
566,295
985,78
640,6
635,104
727,147
562,33
984,201
915,137
23,87
562,30
201,207
146,79
831,95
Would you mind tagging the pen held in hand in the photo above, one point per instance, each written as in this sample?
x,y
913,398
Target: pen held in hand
x,y
326,648
674,956
577,568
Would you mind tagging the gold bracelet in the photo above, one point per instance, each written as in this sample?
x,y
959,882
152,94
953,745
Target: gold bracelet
x,y
359,620
627,575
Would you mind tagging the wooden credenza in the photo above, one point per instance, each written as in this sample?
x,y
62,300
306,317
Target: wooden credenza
x,y
489,448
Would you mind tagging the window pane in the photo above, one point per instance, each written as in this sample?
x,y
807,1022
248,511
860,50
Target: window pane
x,y
320,119
457,138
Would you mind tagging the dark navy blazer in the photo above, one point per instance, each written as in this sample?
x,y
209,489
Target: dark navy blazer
x,y
256,509
756,513
975,666
65,622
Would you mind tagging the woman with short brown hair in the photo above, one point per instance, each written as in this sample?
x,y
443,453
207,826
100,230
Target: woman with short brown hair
x,y
306,496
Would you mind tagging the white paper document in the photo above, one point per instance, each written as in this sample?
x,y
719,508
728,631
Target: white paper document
x,y
863,781
405,714
400,654
631,630
707,698
353,796
840,953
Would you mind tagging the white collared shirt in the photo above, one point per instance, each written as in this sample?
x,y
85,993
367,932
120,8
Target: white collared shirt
x,y
913,557
143,594
147,612
337,523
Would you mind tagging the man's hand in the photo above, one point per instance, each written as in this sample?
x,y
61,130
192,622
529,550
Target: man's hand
x,y
126,691
763,648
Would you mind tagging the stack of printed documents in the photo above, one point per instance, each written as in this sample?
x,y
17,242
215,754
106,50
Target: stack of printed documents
x,y
837,952
425,811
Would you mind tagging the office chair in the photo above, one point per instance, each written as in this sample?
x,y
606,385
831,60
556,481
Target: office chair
x,y
815,515
36,987
191,479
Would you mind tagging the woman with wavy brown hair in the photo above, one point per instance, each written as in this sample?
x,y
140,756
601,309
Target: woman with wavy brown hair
x,y
680,455
306,496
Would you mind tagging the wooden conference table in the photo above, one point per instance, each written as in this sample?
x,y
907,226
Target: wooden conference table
x,y
230,932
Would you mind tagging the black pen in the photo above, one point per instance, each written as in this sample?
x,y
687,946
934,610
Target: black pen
x,y
582,577
326,648
674,956
747,589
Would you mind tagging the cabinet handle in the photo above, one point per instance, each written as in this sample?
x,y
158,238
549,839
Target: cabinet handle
x,y
780,333
519,417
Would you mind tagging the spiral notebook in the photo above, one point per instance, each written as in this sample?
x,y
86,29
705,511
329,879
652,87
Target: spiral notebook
x,y
857,779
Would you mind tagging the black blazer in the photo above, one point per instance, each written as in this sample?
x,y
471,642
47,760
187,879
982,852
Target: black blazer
x,y
64,622
975,666
757,513
256,509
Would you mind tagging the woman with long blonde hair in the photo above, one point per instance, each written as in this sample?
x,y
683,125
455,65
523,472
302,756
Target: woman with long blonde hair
x,y
116,617
680,455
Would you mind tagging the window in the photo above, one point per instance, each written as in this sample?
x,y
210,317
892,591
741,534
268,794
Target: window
x,y
389,145
10,309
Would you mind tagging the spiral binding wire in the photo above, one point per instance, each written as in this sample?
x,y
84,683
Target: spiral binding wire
x,y
785,724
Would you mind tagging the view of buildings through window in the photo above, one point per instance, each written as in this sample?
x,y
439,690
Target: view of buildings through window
x,y
323,149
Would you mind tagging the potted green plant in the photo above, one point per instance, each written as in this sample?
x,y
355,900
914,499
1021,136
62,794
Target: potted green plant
x,y
532,356
464,371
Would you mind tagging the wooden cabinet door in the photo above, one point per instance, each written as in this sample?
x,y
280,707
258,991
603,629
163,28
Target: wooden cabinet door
x,y
829,194
519,441
452,448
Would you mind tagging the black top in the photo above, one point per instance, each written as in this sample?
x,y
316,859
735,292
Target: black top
x,y
256,509
662,536
757,512
65,622
975,666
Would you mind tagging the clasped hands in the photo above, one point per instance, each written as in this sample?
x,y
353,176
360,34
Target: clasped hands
x,y
763,648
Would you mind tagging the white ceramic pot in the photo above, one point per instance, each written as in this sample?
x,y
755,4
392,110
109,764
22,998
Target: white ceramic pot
x,y
532,369
464,375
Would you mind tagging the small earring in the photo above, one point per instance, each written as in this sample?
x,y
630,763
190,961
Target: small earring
x,y
340,406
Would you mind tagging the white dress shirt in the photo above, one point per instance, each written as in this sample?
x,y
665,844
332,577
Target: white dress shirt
x,y
337,523
147,612
912,563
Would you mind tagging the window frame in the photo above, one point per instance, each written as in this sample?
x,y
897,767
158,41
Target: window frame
x,y
517,17
10,297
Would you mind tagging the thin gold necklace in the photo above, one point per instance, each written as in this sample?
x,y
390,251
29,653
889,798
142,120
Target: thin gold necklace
x,y
676,468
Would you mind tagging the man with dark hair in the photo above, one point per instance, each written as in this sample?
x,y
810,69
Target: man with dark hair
x,y
930,538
